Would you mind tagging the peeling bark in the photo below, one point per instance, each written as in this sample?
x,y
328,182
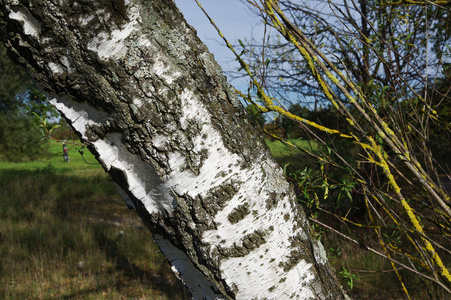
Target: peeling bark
x,y
151,103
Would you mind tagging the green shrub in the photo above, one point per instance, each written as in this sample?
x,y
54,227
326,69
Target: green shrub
x,y
20,139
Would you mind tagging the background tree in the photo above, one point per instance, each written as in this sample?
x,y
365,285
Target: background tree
x,y
20,138
367,40
12,84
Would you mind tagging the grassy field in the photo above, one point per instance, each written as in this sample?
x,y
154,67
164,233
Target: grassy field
x,y
292,157
66,234
54,159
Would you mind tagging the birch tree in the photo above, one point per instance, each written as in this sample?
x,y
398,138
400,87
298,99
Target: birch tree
x,y
148,99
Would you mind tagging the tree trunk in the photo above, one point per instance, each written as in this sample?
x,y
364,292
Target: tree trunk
x,y
148,99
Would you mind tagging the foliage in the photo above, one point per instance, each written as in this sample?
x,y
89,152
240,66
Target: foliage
x,y
37,104
13,83
376,279
20,138
292,127
63,131
22,109
18,94
349,277
440,131
255,114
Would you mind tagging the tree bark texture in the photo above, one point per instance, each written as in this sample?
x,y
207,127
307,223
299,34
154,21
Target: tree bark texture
x,y
143,92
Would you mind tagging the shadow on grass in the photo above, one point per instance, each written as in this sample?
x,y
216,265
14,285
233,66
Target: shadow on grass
x,y
78,294
57,219
296,161
157,280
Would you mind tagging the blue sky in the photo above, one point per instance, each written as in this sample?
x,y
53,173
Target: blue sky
x,y
234,19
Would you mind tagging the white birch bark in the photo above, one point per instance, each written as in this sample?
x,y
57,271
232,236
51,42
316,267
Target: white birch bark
x,y
143,92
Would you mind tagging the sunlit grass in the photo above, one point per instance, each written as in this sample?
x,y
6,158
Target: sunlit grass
x,y
85,163
281,150
292,158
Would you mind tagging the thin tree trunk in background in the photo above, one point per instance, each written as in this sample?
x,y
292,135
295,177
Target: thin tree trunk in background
x,y
151,103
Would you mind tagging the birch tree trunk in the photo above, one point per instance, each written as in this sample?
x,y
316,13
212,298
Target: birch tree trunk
x,y
148,99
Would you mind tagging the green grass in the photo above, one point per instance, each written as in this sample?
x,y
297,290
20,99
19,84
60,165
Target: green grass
x,y
54,158
291,158
65,233
280,149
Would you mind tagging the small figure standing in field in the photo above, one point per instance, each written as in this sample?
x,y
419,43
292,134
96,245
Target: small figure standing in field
x,y
65,153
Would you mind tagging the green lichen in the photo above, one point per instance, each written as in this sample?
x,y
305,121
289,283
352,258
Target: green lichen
x,y
218,196
271,201
293,259
239,213
245,245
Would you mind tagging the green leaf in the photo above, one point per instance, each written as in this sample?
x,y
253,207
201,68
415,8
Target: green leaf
x,y
408,36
